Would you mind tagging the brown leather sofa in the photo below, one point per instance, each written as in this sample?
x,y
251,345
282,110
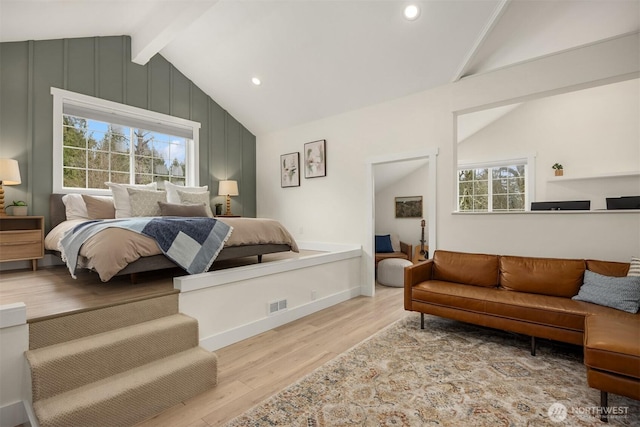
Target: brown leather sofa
x,y
532,296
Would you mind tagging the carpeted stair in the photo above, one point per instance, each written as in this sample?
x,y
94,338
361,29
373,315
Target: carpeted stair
x,y
117,365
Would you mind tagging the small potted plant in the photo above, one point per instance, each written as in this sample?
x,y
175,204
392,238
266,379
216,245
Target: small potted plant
x,y
558,168
18,208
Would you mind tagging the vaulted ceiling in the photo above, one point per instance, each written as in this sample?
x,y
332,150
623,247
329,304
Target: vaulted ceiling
x,y
317,58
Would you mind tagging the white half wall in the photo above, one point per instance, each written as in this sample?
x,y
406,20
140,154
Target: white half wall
x,y
333,208
15,386
232,305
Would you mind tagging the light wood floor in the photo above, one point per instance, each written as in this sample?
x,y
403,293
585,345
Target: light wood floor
x,y
52,291
254,369
249,371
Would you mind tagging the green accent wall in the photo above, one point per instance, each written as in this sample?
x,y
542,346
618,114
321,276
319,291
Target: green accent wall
x,y
102,67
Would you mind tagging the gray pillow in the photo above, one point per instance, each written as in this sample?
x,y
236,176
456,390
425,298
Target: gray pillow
x,y
622,293
173,209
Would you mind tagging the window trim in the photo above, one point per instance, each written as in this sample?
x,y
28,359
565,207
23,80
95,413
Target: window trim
x,y
62,97
529,163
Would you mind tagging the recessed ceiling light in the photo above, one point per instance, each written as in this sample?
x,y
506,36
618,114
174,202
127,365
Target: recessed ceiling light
x,y
256,81
411,12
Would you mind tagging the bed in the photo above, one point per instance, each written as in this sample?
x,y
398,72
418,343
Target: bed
x,y
115,252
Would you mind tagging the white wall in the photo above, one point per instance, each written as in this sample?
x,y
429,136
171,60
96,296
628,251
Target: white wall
x,y
15,385
334,208
591,132
218,300
408,229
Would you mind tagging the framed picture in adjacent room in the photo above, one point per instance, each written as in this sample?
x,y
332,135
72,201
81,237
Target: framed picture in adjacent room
x,y
315,159
290,170
409,207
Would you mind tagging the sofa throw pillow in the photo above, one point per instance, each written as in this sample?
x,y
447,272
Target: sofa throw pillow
x,y
99,207
622,293
634,267
187,198
145,203
121,197
172,191
383,244
173,209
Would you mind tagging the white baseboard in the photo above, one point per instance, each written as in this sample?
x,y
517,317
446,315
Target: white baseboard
x,y
13,414
231,336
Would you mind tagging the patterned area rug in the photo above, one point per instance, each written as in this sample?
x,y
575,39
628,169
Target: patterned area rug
x,y
449,374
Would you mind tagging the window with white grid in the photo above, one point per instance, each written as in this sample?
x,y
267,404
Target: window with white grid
x,y
98,141
494,187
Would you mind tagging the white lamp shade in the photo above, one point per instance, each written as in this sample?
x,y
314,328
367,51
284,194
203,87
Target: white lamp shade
x,y
9,172
228,188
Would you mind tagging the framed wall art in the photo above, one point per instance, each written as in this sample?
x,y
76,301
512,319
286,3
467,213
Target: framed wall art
x,y
315,159
409,207
290,170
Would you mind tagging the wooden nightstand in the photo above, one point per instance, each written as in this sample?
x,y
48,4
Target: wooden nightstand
x,y
228,216
22,238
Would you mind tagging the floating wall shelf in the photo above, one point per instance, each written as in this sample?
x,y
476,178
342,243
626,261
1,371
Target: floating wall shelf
x,y
600,176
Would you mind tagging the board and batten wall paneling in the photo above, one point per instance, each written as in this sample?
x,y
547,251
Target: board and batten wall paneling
x,y
249,206
159,85
200,113
14,81
111,70
234,160
217,151
102,67
79,66
136,85
48,70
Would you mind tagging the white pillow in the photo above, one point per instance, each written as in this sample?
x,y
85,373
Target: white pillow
x,y
172,194
187,198
395,243
145,202
76,208
121,197
634,267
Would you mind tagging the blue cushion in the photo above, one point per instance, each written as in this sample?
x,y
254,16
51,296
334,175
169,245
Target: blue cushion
x,y
383,244
622,293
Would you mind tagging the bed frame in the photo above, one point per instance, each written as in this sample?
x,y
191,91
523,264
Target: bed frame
x,y
157,262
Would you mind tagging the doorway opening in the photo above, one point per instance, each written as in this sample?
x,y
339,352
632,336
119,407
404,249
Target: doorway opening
x,y
385,171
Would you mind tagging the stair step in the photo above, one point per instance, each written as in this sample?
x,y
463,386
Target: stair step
x,y
132,396
69,327
65,366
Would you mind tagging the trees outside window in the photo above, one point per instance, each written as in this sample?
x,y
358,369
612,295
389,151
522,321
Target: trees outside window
x,y
492,189
97,141
95,152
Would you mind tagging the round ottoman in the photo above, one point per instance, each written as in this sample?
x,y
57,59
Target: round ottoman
x,y
391,271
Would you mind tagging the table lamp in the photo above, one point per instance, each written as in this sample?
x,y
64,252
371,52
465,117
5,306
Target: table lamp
x,y
228,188
9,175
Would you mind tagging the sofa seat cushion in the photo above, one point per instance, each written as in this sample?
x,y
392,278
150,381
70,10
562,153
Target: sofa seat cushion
x,y
612,344
546,276
541,309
